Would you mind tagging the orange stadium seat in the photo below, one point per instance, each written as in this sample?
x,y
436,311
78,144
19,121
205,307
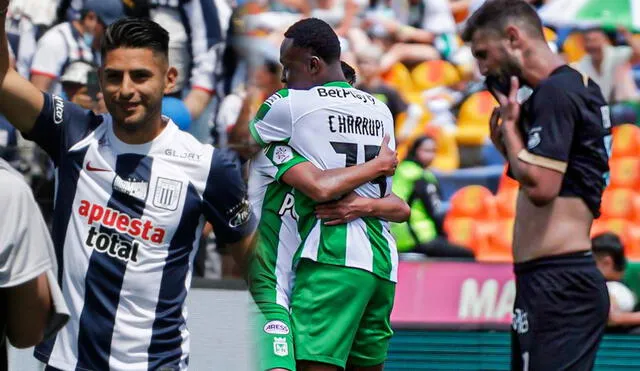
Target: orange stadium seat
x,y
618,203
473,119
399,77
628,232
506,202
473,201
625,172
430,74
626,141
466,232
499,248
507,182
549,34
573,47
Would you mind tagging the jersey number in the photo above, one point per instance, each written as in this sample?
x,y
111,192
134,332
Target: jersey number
x,y
350,150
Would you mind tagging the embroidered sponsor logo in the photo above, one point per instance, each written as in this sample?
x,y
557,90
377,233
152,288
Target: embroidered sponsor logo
x,y
58,110
276,328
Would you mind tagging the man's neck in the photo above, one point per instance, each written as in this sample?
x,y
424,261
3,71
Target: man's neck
x,y
539,63
141,135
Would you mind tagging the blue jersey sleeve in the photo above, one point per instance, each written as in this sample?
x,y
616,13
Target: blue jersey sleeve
x,y
226,204
61,124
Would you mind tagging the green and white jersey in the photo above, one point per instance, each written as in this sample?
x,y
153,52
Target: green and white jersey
x,y
334,126
271,274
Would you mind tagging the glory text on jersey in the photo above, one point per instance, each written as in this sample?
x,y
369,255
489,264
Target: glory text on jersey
x,y
345,93
348,124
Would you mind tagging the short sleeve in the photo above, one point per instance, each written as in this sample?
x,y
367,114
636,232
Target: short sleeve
x,y
283,157
60,125
273,122
550,133
51,54
26,249
226,205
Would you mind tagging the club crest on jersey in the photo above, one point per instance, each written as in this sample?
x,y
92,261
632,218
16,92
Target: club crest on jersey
x,y
534,138
132,187
280,347
167,194
282,154
58,110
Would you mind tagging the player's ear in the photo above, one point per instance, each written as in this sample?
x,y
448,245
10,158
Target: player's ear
x,y
170,79
314,65
513,36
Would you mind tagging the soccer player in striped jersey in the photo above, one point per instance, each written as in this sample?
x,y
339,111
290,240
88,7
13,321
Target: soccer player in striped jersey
x,y
271,276
345,277
132,195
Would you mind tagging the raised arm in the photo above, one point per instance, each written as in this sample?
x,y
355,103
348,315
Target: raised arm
x,y
20,101
328,185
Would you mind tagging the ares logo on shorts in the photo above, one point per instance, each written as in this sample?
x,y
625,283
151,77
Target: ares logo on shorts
x,y
280,347
276,328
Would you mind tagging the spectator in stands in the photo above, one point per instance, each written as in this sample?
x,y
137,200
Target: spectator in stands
x,y
78,40
610,67
609,255
31,303
75,86
418,186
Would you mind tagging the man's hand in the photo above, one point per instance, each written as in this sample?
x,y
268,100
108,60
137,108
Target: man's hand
x,y
496,132
509,107
343,211
387,159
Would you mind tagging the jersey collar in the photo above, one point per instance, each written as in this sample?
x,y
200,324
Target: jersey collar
x,y
339,84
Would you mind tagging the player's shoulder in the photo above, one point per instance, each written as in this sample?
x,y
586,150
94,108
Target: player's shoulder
x,y
13,185
565,80
281,96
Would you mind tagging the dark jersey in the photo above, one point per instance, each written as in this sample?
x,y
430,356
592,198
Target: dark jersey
x,y
566,127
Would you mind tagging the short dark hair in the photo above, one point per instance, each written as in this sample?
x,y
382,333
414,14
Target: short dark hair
x,y
495,15
609,244
348,72
135,33
316,35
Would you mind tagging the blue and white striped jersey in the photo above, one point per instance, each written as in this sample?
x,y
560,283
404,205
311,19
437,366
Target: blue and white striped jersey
x,y
128,219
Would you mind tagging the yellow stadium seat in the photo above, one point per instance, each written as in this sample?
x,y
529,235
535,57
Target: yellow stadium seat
x,y
549,34
430,74
573,47
626,141
399,77
473,119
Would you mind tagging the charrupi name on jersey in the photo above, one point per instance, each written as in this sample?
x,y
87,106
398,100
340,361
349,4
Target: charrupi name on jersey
x,y
345,93
348,124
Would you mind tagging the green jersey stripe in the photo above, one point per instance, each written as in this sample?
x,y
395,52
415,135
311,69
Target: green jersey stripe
x,y
330,237
254,133
380,247
263,265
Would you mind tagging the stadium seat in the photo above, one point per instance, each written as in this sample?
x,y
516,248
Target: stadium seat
x,y
474,201
625,172
506,200
618,203
447,155
506,182
499,248
626,141
430,74
473,119
486,176
466,232
399,77
573,47
549,34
